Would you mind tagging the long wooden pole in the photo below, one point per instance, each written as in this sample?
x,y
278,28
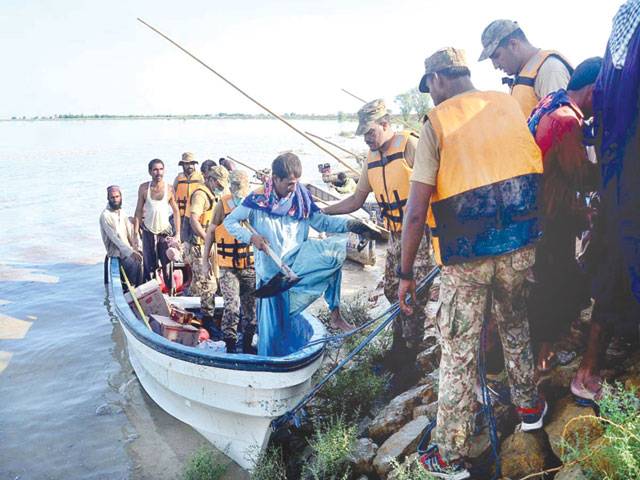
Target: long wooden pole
x,y
247,95
332,144
354,96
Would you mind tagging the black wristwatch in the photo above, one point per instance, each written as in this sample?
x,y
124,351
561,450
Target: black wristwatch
x,y
402,275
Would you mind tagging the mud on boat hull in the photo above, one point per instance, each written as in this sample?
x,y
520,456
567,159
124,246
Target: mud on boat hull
x,y
230,399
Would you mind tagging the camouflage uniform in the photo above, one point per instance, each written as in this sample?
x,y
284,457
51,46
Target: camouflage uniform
x,y
203,284
408,330
237,287
464,291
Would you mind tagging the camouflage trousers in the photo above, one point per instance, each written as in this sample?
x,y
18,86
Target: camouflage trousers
x,y
465,291
203,284
408,330
237,287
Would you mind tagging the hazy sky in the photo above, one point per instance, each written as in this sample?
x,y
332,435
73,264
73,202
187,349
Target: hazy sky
x,y
82,56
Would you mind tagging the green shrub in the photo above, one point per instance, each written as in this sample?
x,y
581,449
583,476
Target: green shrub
x,y
409,471
270,465
331,444
616,455
203,466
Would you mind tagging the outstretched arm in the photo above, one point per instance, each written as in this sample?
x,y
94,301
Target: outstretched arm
x,y
412,232
350,204
137,220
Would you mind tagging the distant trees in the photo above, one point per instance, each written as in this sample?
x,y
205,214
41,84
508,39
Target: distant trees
x,y
413,102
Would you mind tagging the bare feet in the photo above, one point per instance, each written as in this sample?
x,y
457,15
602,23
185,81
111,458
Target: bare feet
x,y
339,323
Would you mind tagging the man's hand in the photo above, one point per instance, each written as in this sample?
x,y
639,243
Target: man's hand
x,y
407,286
136,256
361,228
259,242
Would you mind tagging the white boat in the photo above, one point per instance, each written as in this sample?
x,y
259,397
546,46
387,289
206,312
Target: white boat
x,y
230,399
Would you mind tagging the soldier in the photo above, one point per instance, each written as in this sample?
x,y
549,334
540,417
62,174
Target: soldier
x,y
202,204
476,173
387,172
184,185
535,72
235,260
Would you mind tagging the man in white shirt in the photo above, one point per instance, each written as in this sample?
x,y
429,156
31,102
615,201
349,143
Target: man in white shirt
x,y
118,236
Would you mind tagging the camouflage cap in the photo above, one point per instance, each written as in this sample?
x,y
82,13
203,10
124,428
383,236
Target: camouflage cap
x,y
221,174
239,183
443,58
494,34
369,113
187,157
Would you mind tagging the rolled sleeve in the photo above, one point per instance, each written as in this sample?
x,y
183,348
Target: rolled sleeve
x,y
427,159
363,182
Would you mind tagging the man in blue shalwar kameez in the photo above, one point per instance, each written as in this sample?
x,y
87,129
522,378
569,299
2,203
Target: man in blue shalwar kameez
x,y
281,213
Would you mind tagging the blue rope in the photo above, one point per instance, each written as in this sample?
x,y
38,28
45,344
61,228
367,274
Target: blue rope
x,y
487,407
392,313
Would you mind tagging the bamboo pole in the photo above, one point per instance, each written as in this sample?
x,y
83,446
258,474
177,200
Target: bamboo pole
x,y
354,96
332,144
270,112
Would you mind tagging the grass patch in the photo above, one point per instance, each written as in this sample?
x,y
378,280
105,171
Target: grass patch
x,y
409,471
203,465
331,444
270,465
616,455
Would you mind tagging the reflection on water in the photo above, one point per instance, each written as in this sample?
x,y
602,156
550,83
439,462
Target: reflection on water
x,y
70,405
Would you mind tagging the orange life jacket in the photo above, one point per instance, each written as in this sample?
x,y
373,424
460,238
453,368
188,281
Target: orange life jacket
x,y
231,252
485,201
184,188
389,177
522,88
207,215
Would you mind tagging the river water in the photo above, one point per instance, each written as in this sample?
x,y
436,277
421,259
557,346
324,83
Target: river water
x,y
70,405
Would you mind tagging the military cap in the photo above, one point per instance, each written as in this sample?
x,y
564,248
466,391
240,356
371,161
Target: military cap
x,y
369,113
239,182
187,157
443,58
221,174
495,32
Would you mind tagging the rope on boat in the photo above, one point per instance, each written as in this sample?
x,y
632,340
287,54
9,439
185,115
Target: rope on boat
x,y
391,314
135,298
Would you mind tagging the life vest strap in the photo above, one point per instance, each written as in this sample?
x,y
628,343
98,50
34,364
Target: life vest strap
x,y
386,160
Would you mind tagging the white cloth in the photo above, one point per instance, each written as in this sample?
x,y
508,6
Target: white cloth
x,y
624,26
157,212
117,233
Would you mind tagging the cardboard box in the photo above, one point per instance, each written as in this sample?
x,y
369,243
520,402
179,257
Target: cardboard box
x,y
174,331
150,298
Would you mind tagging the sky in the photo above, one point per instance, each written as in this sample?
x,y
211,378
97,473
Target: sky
x,y
93,57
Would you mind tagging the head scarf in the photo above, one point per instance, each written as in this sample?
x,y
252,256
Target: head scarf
x,y
298,204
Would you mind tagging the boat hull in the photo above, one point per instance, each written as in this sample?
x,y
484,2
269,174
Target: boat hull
x,y
230,399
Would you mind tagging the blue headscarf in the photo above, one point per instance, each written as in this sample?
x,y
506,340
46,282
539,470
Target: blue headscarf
x,y
298,204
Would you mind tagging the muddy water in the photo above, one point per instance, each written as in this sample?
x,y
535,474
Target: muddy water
x,y
70,405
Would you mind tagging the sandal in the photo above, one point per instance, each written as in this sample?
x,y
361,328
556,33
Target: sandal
x,y
583,396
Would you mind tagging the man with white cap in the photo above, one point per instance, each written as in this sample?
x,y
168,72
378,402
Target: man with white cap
x,y
533,73
475,178
118,236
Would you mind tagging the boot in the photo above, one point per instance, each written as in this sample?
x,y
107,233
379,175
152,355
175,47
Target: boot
x,y
247,338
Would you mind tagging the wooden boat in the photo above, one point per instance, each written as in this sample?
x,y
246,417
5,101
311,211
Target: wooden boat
x,y
230,399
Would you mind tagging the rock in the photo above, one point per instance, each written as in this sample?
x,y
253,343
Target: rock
x,y
587,429
363,426
400,444
571,472
362,455
430,410
396,413
524,453
362,477
562,375
429,360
